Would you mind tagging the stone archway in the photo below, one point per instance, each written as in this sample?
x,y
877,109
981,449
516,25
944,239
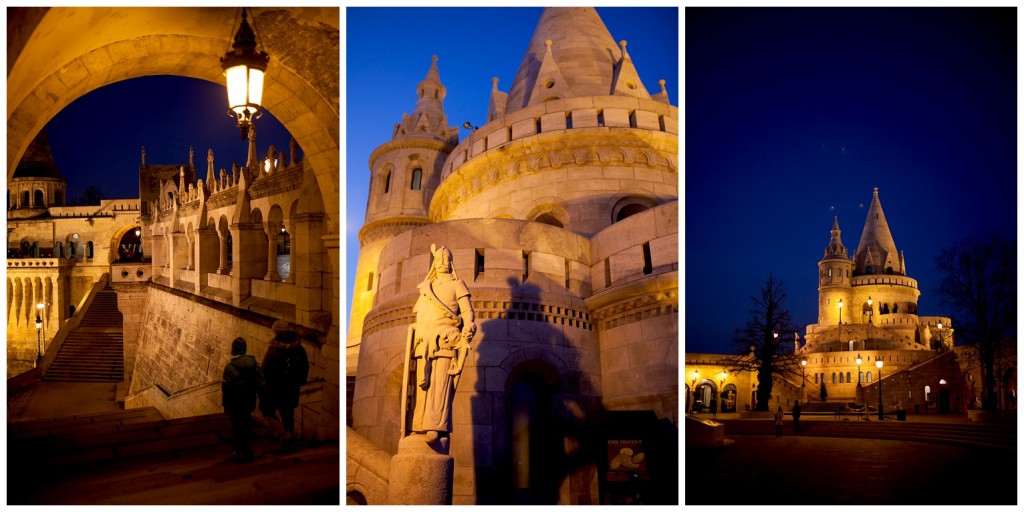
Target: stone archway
x,y
57,55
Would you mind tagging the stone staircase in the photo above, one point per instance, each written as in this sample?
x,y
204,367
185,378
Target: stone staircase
x,y
991,435
94,351
138,457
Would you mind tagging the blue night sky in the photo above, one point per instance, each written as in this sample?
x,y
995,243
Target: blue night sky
x,y
97,139
794,115
389,52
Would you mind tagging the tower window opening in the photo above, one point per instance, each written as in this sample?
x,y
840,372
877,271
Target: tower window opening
x,y
369,282
648,266
478,265
526,265
387,182
417,177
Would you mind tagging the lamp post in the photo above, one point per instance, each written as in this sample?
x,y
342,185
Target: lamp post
x,y
39,332
871,310
244,68
840,339
803,372
693,388
878,363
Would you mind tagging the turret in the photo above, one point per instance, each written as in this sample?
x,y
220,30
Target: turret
x,y
404,173
834,286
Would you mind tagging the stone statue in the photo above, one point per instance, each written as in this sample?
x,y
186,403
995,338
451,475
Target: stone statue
x,y
438,345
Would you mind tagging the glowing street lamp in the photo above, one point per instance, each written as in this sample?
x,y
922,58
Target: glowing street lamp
x,y
39,332
245,67
878,363
803,372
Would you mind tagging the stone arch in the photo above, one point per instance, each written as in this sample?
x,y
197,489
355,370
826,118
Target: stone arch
x,y
548,211
630,204
117,238
49,68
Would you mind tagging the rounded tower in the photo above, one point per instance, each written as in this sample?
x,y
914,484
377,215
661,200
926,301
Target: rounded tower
x,y
835,291
404,174
36,184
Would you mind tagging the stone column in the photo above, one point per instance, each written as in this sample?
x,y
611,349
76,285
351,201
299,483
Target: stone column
x,y
131,302
330,417
308,262
291,261
190,242
272,230
207,256
247,259
222,265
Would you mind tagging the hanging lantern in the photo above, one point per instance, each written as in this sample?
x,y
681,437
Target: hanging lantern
x,y
244,67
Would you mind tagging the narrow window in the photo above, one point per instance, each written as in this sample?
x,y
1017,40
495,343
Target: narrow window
x,y
833,377
417,176
89,249
848,377
478,265
39,199
840,377
607,273
566,274
830,272
868,377
387,182
526,265
398,275
648,267
369,282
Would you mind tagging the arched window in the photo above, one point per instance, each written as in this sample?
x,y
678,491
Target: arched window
x,y
830,272
869,376
39,199
387,182
848,377
88,249
833,377
840,377
417,177
25,196
549,219
815,378
628,210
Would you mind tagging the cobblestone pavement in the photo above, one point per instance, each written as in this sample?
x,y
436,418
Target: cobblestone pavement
x,y
793,470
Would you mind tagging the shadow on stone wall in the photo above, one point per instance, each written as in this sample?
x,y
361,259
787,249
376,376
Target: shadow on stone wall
x,y
542,412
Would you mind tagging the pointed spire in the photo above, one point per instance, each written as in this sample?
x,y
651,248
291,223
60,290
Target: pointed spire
x,y
627,81
191,157
496,107
252,161
209,166
550,83
143,156
835,248
663,95
428,118
584,51
876,252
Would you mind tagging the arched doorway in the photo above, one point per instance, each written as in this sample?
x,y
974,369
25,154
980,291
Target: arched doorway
x,y
729,398
537,455
703,395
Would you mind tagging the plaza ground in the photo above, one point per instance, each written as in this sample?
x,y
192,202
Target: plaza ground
x,y
809,470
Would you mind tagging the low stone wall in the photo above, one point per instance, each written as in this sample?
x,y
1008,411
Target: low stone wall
x,y
179,363
366,468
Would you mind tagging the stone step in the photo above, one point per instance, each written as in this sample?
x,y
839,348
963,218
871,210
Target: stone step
x,y
989,435
137,457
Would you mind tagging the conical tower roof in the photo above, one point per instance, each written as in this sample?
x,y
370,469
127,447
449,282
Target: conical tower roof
x,y
572,53
428,118
876,252
37,162
835,248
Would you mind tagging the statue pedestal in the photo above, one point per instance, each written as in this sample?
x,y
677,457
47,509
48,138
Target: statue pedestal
x,y
421,473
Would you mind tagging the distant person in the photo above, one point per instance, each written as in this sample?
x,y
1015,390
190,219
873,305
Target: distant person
x,y
778,422
796,415
285,369
714,408
239,386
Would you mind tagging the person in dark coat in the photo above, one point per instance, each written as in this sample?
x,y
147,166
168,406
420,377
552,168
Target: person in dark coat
x,y
796,416
285,369
778,422
239,386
